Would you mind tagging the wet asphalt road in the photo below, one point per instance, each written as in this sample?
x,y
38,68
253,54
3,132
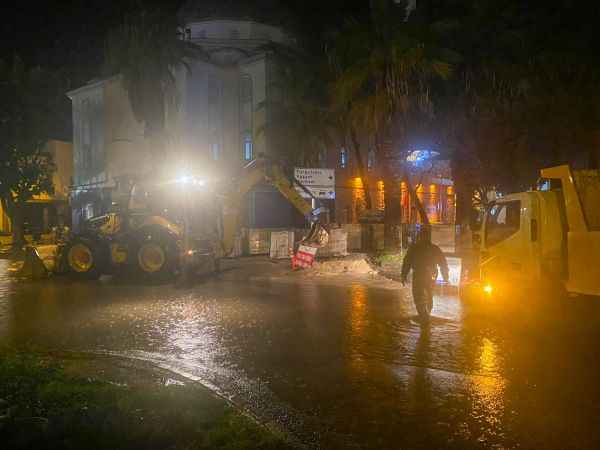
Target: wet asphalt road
x,y
338,365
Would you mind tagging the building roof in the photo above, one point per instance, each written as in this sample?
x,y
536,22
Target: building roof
x,y
92,84
265,11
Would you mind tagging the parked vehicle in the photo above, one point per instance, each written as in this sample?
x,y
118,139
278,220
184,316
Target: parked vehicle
x,y
547,239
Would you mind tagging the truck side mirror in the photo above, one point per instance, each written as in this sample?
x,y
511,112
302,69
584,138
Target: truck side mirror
x,y
533,230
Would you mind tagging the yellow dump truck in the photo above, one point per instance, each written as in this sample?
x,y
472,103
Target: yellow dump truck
x,y
547,239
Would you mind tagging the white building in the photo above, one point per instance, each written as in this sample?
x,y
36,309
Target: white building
x,y
221,104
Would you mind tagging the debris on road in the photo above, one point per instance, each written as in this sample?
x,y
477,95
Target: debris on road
x,y
355,264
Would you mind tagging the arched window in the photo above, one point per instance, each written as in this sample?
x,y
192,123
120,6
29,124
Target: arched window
x,y
343,158
248,147
246,110
371,159
215,151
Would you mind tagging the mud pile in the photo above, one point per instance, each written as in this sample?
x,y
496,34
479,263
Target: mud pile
x,y
353,264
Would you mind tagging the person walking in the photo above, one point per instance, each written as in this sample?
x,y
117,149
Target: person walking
x,y
423,258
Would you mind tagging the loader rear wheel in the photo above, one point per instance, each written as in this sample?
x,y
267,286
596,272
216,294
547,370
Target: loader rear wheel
x,y
152,257
84,259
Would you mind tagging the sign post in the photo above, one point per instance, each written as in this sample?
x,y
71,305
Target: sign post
x,y
316,184
319,182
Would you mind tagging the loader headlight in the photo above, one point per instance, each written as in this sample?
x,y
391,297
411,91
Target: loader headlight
x,y
488,289
190,181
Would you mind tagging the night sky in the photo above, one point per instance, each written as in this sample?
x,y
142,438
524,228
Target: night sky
x,y
69,36
71,33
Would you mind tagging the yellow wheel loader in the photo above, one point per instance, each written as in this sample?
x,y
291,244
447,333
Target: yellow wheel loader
x,y
146,244
170,227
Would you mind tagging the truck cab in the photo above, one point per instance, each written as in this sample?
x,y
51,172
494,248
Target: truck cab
x,y
522,242
548,239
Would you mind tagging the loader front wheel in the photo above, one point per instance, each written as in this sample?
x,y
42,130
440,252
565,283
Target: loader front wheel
x,y
84,259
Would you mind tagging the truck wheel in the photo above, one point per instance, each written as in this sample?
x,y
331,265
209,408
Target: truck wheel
x,y
84,259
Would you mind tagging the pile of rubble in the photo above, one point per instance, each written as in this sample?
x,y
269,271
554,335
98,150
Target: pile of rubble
x,y
355,264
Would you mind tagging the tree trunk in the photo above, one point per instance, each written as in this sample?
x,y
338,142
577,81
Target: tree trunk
x,y
15,214
392,199
464,197
361,168
419,205
415,198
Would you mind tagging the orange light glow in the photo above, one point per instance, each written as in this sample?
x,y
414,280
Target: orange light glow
x,y
450,190
432,188
380,195
358,198
358,326
357,183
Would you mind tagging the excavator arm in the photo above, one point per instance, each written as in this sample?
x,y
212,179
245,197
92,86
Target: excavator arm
x,y
260,171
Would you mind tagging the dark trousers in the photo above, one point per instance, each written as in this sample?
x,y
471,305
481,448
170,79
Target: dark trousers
x,y
422,290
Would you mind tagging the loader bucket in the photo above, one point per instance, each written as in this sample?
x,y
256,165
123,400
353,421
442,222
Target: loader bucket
x,y
40,260
317,236
33,266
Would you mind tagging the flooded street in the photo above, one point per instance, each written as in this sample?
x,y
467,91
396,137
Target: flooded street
x,y
338,364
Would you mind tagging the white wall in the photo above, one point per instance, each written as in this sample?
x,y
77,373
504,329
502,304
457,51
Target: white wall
x,y
102,113
89,155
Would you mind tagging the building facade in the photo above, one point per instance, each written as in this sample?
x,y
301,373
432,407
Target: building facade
x,y
431,178
215,127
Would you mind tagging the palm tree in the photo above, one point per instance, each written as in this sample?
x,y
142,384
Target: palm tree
x,y
298,121
147,50
526,99
385,68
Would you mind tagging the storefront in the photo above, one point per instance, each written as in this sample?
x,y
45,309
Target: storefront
x,y
436,194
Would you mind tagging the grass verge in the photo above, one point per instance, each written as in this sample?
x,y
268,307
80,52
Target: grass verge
x,y
45,405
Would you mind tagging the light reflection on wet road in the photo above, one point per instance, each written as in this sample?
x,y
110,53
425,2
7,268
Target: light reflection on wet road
x,y
340,366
